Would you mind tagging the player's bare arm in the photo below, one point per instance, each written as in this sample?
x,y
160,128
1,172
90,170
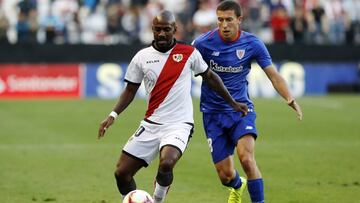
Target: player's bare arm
x,y
218,86
125,99
280,85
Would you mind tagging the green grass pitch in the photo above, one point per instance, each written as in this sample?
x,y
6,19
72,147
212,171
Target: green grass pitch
x,y
49,152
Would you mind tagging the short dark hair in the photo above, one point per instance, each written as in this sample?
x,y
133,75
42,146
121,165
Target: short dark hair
x,y
229,5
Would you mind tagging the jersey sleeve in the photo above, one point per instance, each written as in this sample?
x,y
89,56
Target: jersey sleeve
x,y
195,43
262,55
198,64
134,73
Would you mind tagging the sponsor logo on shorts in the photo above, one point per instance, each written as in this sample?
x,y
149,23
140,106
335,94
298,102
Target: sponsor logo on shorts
x,y
140,130
178,138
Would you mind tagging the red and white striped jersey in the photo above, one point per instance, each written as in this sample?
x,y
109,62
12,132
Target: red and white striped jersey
x,y
167,80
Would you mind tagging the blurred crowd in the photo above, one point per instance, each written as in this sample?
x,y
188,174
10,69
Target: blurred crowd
x,y
129,21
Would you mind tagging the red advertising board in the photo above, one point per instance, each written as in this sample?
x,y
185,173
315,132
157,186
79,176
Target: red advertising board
x,y
40,81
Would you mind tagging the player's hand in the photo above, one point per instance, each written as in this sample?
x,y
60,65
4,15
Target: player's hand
x,y
241,107
294,105
104,125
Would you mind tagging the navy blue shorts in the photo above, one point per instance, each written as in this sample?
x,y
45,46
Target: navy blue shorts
x,y
223,130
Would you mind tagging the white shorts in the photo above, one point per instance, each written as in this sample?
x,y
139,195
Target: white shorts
x,y
149,138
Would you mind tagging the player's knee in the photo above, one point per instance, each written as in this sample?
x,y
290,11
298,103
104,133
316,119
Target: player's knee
x,y
225,176
117,174
248,163
122,176
167,165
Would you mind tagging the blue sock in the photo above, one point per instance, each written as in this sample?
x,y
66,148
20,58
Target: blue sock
x,y
256,190
235,182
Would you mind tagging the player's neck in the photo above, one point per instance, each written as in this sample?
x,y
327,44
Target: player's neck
x,y
233,39
164,49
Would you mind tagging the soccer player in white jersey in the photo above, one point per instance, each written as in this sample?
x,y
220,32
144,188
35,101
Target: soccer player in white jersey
x,y
229,51
165,68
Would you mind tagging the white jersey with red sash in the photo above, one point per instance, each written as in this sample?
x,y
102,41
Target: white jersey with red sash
x,y
167,80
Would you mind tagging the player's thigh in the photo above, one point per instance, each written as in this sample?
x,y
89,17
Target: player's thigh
x,y
177,136
220,144
246,146
144,143
170,152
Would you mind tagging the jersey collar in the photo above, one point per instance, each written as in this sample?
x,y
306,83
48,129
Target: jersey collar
x,y
238,36
165,50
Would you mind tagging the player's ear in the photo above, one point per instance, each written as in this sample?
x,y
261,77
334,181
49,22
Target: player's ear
x,y
175,28
240,19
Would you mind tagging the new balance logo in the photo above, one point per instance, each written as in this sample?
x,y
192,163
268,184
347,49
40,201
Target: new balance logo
x,y
249,127
215,53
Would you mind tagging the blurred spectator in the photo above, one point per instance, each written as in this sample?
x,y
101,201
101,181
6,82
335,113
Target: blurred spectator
x,y
73,29
93,22
91,4
288,5
252,16
245,5
66,10
27,6
265,33
180,34
318,22
352,21
115,12
129,21
185,22
204,18
175,6
27,24
298,26
4,26
336,17
280,24
147,13
53,28
26,28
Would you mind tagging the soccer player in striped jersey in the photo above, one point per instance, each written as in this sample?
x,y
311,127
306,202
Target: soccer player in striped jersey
x,y
165,68
229,52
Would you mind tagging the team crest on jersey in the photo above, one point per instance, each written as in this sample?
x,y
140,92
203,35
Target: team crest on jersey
x,y
177,57
240,53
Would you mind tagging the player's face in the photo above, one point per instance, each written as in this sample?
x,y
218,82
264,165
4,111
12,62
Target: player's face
x,y
163,33
229,24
